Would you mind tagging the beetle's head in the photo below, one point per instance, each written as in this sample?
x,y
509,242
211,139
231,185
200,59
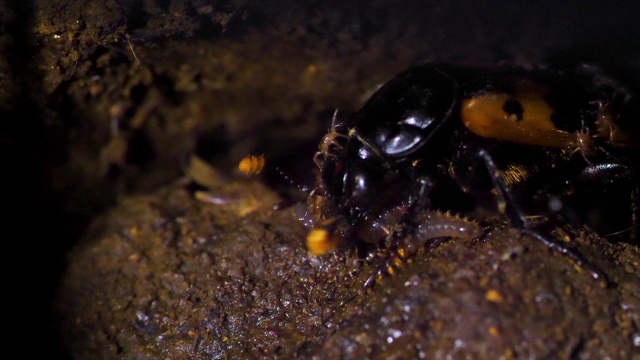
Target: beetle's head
x,y
375,167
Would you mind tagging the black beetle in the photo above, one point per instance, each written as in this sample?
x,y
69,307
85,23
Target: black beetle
x,y
529,144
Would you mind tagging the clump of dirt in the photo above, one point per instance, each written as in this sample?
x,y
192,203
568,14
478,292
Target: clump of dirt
x,y
182,278
219,273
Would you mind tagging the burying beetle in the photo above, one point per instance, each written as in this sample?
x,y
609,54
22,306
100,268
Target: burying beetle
x,y
539,147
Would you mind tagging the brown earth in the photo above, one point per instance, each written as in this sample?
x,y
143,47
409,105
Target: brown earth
x,y
104,104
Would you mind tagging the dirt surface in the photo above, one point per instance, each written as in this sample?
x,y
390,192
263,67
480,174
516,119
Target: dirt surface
x,y
105,104
169,276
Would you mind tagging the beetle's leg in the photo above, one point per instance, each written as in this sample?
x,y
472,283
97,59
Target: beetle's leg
x,y
508,205
417,203
400,245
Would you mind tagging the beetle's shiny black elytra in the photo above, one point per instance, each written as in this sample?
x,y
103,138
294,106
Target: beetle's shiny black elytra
x,y
504,141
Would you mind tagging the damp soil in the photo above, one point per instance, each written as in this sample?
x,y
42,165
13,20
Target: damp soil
x,y
169,276
123,123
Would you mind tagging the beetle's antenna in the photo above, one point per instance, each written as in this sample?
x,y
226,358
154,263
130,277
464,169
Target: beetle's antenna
x,y
256,164
329,143
333,118
302,188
